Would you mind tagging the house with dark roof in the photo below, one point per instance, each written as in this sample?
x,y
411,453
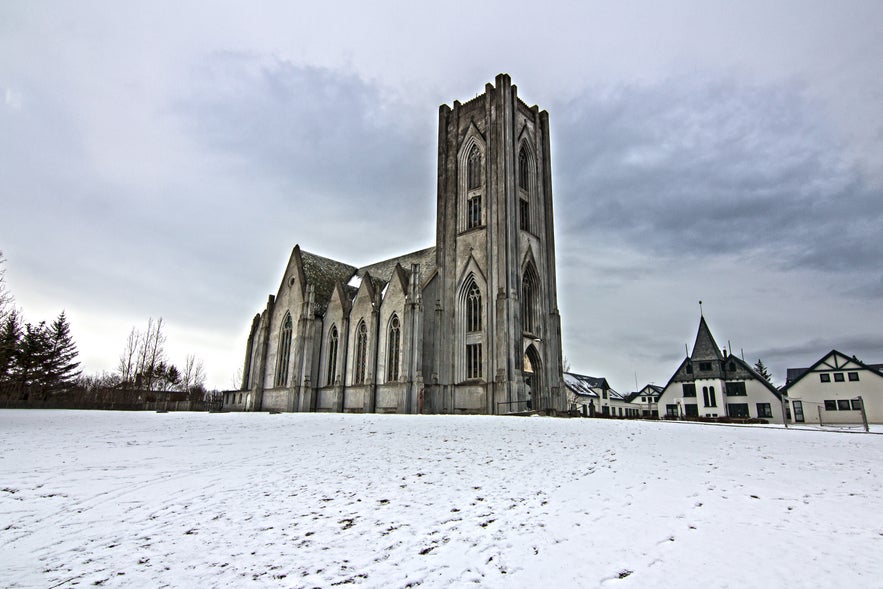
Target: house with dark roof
x,y
470,325
644,403
711,382
592,395
834,390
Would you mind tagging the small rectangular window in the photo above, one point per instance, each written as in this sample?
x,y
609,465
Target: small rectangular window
x,y
838,377
825,377
764,410
689,389
830,405
671,410
856,405
473,360
735,389
853,377
738,409
705,366
843,405
524,215
473,211
691,410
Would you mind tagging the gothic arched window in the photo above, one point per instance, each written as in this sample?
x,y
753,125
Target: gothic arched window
x,y
283,352
393,350
332,355
361,353
529,299
472,359
473,309
523,170
473,169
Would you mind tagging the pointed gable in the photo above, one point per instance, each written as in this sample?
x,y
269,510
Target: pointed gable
x,y
324,274
705,348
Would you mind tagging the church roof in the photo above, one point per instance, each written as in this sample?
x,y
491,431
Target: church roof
x,y
323,274
384,270
705,348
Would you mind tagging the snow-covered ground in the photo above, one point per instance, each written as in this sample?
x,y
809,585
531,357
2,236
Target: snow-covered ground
x,y
117,499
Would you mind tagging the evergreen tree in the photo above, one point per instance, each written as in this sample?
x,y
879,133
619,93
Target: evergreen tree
x,y
34,352
61,369
761,369
10,337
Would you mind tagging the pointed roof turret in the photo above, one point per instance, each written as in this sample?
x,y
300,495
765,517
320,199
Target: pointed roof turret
x,y
705,348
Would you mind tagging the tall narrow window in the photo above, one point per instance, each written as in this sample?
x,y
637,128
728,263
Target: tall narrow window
x,y
473,169
473,360
524,214
332,356
283,352
709,397
473,309
393,350
473,211
523,170
529,292
361,353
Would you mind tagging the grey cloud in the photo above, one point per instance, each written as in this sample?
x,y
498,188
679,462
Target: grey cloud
x,y
323,133
704,168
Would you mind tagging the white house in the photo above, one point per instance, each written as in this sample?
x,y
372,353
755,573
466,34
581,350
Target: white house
x,y
644,403
592,396
832,390
714,383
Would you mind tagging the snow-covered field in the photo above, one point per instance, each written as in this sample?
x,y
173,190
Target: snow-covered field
x,y
116,499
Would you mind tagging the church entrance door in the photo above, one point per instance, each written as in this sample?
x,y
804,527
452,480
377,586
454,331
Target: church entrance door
x,y
533,375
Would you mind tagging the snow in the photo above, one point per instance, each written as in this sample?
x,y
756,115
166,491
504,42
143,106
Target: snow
x,y
116,499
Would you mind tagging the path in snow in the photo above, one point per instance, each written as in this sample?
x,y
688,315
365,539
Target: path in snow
x,y
118,499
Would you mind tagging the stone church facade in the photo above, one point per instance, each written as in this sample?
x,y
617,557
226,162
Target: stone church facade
x,y
468,326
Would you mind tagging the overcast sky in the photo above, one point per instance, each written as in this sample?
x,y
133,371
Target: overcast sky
x,y
162,159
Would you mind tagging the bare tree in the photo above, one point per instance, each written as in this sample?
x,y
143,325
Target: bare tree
x,y
193,377
5,295
129,358
151,352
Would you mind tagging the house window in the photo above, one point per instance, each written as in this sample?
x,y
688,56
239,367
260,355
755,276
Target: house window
x,y
689,389
824,377
705,366
524,214
392,353
283,353
735,389
689,368
856,404
691,410
709,397
737,409
473,169
604,394
361,353
332,356
853,376
473,211
764,410
671,410
473,361
830,405
843,405
838,377
643,399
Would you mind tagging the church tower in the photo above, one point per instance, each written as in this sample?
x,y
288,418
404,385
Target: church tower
x,y
497,341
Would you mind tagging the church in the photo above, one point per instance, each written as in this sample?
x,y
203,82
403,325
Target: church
x,y
469,326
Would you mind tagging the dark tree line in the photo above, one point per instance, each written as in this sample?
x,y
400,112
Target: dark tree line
x,y
37,358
